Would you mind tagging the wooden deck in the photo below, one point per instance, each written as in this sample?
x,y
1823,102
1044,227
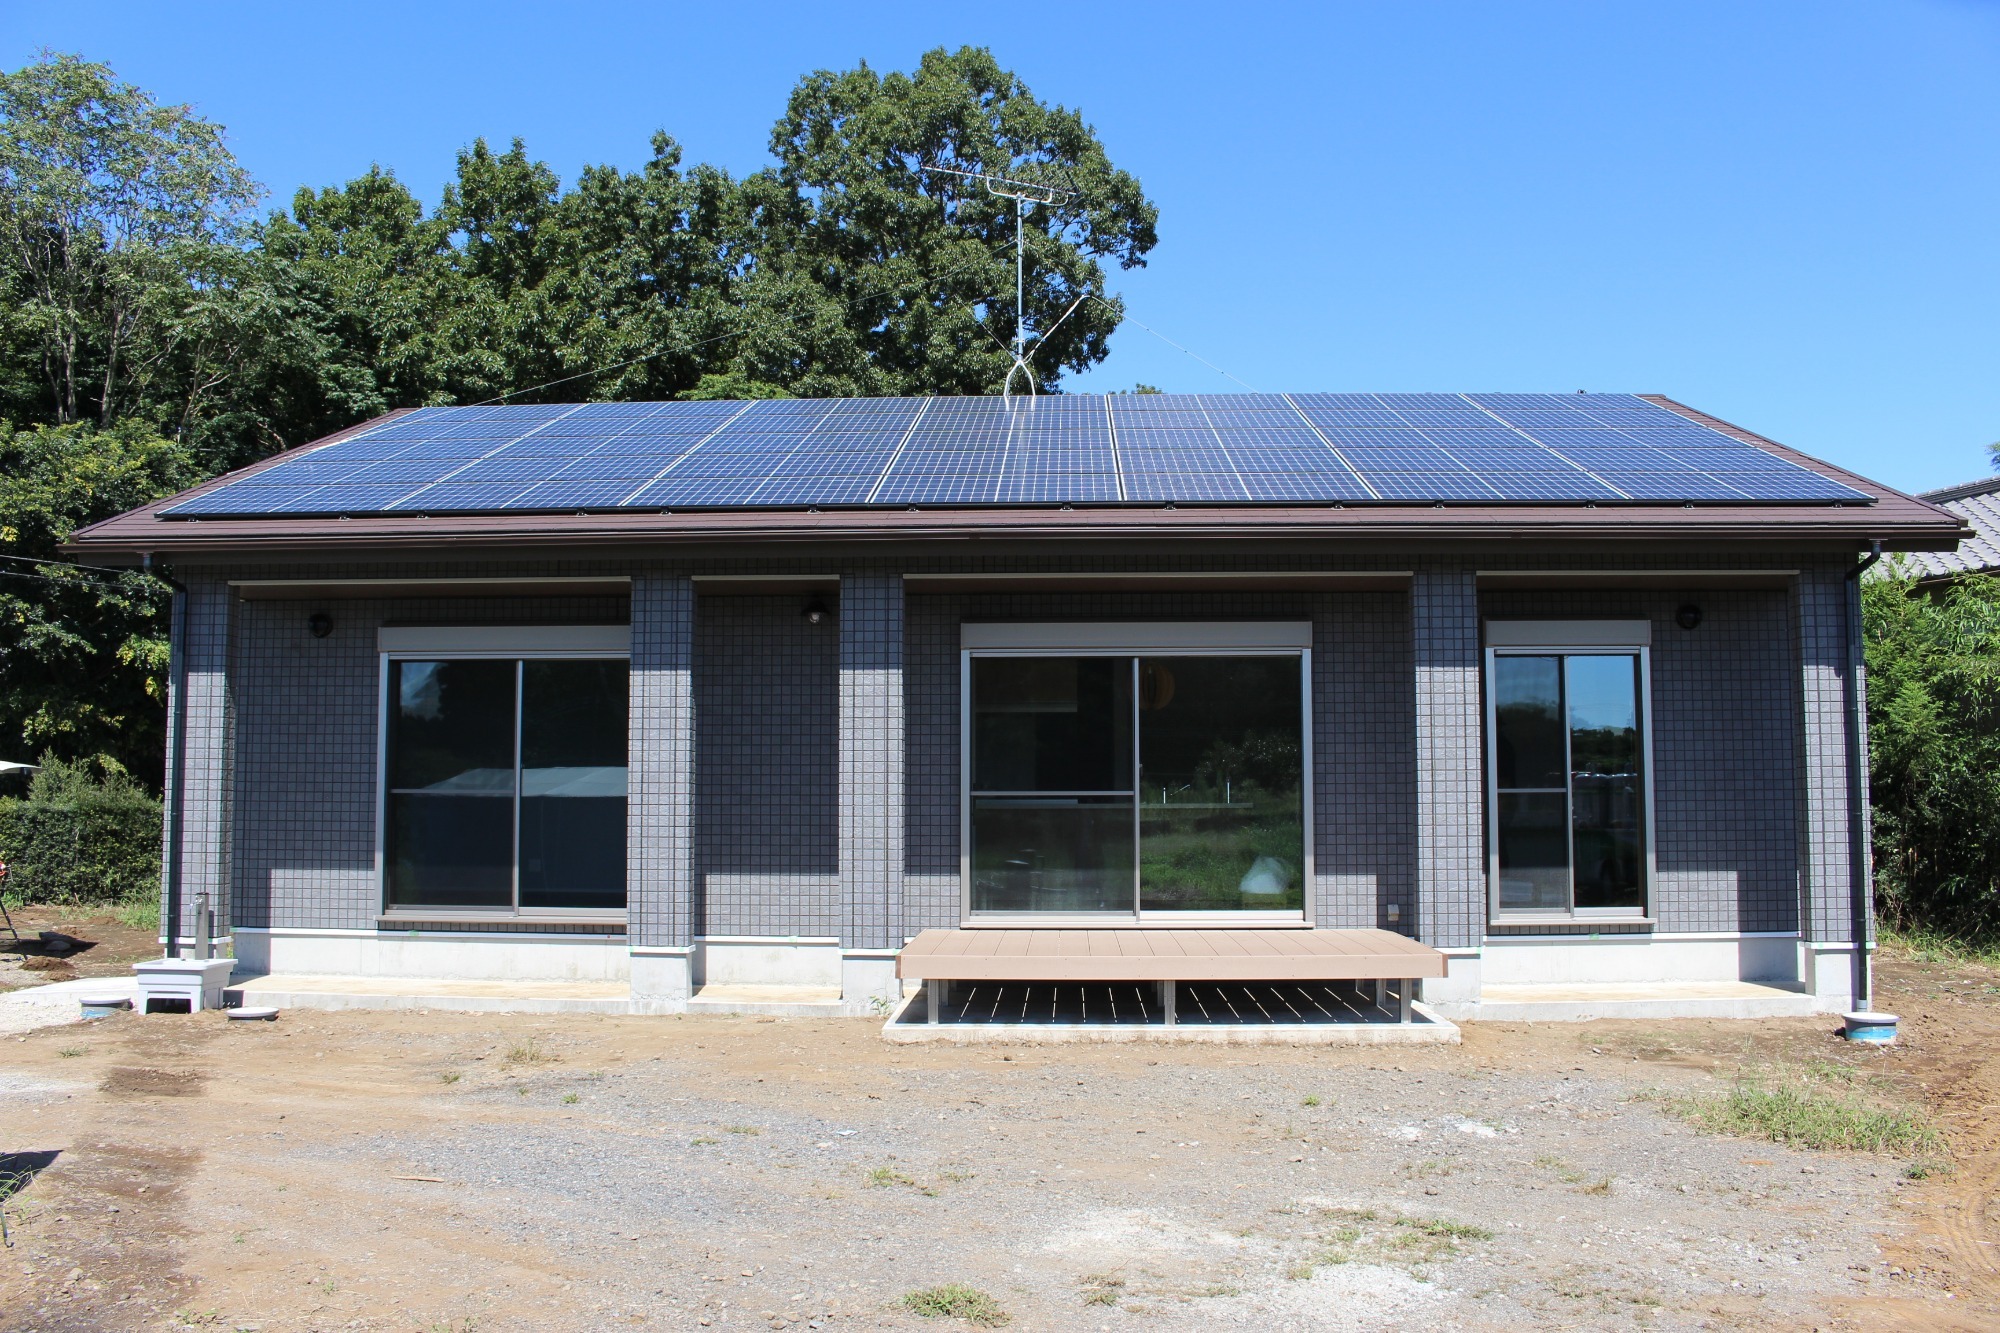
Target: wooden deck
x,y
1222,954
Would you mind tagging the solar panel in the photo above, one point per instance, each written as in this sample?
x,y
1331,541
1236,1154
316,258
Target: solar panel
x,y
1136,448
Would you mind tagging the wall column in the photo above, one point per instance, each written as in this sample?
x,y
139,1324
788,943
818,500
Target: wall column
x,y
871,787
1834,887
1451,861
659,827
201,752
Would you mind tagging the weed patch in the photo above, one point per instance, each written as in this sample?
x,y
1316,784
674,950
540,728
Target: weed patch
x,y
1360,1235
956,1301
1800,1112
529,1052
1102,1289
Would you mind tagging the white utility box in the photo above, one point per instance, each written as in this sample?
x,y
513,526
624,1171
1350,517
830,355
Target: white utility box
x,y
198,982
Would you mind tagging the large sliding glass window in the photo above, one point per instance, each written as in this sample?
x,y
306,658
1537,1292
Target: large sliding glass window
x,y
1567,762
1122,784
505,784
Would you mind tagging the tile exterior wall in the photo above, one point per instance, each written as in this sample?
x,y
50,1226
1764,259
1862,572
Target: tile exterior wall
x,y
306,747
1451,838
1393,675
208,765
872,780
767,723
1363,784
660,888
1827,610
1725,735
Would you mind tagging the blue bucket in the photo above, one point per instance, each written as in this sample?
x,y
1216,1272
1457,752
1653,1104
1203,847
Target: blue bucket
x,y
1875,1029
103,1006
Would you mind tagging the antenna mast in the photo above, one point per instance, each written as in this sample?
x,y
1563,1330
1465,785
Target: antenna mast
x,y
1022,193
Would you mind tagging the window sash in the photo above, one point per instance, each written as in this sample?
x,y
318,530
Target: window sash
x,y
1582,646
1133,644
476,648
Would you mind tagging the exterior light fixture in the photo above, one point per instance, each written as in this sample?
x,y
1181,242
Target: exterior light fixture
x,y
1687,616
815,610
320,624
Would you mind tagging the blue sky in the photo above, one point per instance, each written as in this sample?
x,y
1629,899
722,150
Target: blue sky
x,y
1787,214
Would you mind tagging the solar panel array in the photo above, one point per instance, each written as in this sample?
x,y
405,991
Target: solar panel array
x,y
1352,448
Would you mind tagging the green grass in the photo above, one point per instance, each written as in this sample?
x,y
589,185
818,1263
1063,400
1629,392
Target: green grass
x,y
1799,1112
139,913
571,1099
1935,946
956,1301
1309,1101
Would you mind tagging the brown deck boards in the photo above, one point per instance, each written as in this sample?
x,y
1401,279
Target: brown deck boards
x,y
1222,954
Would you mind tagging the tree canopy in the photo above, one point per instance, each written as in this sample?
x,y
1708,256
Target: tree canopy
x,y
1934,744
155,330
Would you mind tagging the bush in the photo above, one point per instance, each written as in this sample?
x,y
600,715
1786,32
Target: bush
x,y
1934,741
86,833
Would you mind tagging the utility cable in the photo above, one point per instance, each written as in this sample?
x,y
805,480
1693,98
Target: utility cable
x,y
1171,343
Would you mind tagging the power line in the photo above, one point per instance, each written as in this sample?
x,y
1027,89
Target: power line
x,y
1171,343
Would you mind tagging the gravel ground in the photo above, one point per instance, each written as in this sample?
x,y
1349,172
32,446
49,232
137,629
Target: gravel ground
x,y
457,1172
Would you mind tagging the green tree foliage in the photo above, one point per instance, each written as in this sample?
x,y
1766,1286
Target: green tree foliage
x,y
875,274
84,833
153,333
1934,738
82,654
119,224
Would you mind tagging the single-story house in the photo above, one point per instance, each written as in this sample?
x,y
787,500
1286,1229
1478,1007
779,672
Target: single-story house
x,y
1563,690
1977,505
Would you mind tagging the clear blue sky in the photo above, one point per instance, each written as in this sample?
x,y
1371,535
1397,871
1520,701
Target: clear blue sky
x,y
1787,214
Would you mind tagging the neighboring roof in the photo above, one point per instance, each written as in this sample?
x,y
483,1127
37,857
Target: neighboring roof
x,y
1978,504
1308,465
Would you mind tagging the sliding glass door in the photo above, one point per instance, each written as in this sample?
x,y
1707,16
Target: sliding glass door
x,y
1126,784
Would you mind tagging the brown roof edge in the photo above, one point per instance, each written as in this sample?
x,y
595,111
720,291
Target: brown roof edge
x,y
1789,454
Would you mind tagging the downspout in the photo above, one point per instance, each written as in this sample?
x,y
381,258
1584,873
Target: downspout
x,y
177,773
1857,783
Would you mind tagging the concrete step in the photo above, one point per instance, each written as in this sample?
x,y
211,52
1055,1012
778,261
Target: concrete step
x,y
768,1001
1575,1003
491,997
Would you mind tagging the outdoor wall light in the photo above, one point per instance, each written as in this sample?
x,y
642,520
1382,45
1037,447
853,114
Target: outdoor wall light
x,y
815,612
320,624
1687,616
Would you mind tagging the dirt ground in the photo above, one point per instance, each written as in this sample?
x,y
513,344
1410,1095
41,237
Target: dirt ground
x,y
82,943
449,1172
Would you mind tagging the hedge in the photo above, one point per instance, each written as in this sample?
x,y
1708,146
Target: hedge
x,y
85,833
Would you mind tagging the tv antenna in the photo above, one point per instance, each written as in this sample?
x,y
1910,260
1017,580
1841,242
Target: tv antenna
x,y
1022,193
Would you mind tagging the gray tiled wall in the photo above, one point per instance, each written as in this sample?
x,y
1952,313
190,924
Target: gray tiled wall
x,y
1363,786
767,721
872,783
306,736
659,839
1725,732
207,814
1451,871
1827,609
1392,675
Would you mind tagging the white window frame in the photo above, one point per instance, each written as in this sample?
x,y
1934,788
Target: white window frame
x,y
511,643
1567,638
1133,639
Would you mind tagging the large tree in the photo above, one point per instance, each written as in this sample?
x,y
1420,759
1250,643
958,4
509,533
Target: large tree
x,y
878,270
119,227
